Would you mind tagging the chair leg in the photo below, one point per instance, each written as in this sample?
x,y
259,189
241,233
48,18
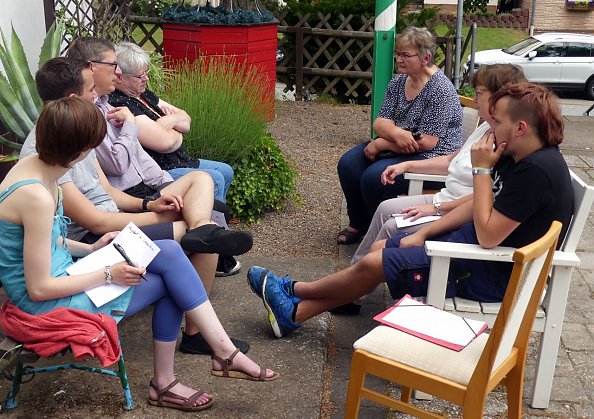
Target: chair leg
x,y
356,382
515,383
128,402
15,386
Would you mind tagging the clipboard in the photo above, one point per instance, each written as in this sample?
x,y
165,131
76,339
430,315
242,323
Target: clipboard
x,y
431,324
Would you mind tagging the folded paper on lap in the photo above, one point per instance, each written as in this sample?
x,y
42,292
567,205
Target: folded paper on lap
x,y
402,222
138,247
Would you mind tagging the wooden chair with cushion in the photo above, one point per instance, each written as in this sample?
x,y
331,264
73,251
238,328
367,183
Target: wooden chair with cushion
x,y
470,122
551,312
464,377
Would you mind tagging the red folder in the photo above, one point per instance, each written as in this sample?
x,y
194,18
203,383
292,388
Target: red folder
x,y
431,324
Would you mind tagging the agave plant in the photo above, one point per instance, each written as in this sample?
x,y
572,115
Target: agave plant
x,y
20,103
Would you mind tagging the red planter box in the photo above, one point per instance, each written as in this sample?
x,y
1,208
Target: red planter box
x,y
252,44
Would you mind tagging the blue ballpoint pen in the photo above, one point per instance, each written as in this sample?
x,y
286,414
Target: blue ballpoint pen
x,y
122,252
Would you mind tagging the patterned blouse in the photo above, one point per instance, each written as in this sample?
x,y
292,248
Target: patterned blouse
x,y
167,161
434,111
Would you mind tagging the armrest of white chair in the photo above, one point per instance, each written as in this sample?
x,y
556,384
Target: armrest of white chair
x,y
442,252
415,186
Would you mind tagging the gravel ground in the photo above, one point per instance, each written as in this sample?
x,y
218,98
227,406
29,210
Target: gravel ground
x,y
313,136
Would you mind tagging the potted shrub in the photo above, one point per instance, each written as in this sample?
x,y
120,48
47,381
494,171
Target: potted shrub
x,y
249,36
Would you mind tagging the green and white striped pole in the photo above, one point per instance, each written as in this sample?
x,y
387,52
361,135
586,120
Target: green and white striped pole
x,y
383,53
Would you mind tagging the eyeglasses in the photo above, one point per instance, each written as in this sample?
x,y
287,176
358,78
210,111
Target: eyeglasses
x,y
114,64
139,77
479,92
405,55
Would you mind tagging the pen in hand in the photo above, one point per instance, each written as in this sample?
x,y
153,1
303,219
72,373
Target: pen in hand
x,y
122,252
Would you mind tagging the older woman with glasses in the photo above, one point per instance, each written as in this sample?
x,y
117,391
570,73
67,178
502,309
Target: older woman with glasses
x,y
420,118
160,130
161,125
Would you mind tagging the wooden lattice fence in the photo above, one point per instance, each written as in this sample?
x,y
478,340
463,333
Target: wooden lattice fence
x,y
320,58
105,19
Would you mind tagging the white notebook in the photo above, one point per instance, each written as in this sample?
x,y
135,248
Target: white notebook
x,y
138,247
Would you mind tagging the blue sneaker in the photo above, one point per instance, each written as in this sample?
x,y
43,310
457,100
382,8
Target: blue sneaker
x,y
279,303
255,279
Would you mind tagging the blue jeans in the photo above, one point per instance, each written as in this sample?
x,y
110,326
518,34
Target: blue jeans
x,y
406,270
360,180
221,173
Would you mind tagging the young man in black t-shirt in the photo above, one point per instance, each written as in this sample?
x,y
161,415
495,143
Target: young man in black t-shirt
x,y
521,184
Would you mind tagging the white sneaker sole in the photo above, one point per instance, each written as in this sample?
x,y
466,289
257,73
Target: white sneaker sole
x,y
271,317
235,270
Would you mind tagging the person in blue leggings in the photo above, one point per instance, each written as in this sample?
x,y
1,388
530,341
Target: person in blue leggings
x,y
34,256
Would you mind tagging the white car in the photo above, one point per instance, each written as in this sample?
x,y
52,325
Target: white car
x,y
563,61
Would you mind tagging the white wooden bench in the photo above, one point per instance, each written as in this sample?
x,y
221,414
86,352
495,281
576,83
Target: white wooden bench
x,y
550,315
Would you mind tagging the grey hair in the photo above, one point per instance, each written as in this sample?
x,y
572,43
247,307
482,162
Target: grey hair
x,y
131,58
420,39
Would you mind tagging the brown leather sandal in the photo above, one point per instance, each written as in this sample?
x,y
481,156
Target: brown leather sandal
x,y
188,402
240,375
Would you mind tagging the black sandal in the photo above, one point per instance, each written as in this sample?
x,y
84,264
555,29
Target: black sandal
x,y
349,237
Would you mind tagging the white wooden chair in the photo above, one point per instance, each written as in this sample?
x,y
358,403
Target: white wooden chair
x,y
550,315
464,377
470,122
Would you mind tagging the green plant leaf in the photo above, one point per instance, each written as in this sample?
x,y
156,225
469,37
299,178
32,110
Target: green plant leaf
x,y
9,157
5,141
19,76
12,114
52,42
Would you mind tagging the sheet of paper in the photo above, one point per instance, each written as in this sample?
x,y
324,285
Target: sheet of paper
x,y
138,247
432,324
402,222
219,218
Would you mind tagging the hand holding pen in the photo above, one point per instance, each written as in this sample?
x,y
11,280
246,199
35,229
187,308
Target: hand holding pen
x,y
122,252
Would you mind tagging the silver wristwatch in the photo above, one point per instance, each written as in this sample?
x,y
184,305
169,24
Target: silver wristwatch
x,y
437,206
107,272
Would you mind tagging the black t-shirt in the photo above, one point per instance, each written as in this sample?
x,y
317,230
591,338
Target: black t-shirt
x,y
167,161
535,191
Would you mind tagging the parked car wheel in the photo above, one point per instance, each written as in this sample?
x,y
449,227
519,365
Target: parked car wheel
x,y
590,88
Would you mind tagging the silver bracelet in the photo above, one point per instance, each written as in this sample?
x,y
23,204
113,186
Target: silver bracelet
x,y
481,171
107,273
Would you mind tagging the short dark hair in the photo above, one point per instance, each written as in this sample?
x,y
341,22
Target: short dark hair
x,y
495,76
66,127
60,77
536,105
89,48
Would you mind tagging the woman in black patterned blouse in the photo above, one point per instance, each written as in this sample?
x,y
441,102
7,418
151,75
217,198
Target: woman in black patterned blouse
x,y
420,118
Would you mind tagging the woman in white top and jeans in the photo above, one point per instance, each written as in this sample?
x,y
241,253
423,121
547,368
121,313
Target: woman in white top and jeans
x,y
458,185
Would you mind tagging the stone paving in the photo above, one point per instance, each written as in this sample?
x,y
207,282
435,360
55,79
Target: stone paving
x,y
315,362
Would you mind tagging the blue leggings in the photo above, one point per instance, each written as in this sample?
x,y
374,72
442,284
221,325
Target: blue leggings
x,y
173,286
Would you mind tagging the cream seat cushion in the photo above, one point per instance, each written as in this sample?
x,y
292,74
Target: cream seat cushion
x,y
410,350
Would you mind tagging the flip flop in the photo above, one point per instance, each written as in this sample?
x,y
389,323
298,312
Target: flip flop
x,y
349,237
188,402
240,375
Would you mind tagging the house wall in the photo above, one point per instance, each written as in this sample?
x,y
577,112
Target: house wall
x,y
28,20
552,16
